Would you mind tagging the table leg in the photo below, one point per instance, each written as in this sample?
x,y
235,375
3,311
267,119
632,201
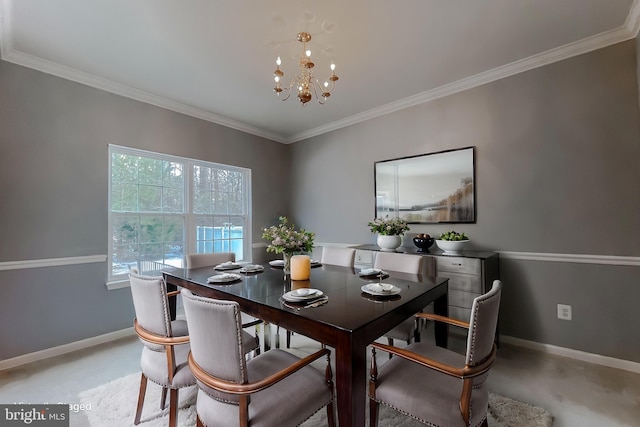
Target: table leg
x,y
351,377
441,329
173,305
266,336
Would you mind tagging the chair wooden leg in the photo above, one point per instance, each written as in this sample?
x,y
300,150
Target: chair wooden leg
x,y
330,417
199,422
288,339
143,390
173,407
277,336
373,413
163,398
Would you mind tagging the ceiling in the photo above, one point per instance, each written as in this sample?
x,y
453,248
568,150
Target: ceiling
x,y
214,59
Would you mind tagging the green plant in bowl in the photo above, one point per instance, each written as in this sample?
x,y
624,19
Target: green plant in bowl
x,y
452,242
453,236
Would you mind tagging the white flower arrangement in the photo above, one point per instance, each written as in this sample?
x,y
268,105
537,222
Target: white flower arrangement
x,y
285,238
389,226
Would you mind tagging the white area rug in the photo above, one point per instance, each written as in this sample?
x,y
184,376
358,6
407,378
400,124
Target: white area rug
x,y
114,404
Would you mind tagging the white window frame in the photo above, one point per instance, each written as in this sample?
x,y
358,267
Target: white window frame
x,y
189,217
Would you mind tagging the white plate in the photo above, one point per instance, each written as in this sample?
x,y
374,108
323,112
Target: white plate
x,y
380,289
224,278
251,268
303,294
276,263
227,266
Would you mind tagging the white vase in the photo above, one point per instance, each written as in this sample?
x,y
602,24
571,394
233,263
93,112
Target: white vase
x,y
389,243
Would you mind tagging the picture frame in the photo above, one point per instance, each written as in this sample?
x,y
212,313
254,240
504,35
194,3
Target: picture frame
x,y
429,188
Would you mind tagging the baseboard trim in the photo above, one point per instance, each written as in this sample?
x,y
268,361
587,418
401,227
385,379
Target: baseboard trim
x,y
596,359
64,349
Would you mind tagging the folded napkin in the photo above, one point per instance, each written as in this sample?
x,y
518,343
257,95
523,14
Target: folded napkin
x,y
250,268
380,287
229,265
223,277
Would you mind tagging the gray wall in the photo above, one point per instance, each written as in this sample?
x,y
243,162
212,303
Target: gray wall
x,y
558,164
54,135
558,167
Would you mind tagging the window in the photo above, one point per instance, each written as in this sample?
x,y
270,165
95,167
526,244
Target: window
x,y
161,207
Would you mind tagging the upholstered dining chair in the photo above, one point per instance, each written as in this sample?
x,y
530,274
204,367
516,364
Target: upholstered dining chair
x,y
166,343
217,258
275,388
437,386
209,259
404,263
334,255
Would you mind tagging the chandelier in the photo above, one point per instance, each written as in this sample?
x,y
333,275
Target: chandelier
x,y
305,82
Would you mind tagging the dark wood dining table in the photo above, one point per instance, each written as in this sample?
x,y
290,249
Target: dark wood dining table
x,y
348,322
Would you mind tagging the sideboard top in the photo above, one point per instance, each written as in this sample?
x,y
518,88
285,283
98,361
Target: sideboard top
x,y
433,251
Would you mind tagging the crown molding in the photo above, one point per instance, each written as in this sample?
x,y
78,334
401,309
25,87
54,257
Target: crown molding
x,y
627,31
599,41
48,67
632,24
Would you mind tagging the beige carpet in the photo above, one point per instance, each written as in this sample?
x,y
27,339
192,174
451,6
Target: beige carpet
x,y
114,403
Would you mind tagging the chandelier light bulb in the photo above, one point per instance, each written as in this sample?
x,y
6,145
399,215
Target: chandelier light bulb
x,y
278,61
277,79
333,66
326,84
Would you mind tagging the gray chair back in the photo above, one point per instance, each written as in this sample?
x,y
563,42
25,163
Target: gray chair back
x,y
215,330
333,255
482,325
151,304
403,263
205,260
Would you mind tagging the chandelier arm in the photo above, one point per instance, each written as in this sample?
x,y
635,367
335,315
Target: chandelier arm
x,y
315,84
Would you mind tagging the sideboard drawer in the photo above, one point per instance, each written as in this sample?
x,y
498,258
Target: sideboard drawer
x,y
458,265
464,282
462,299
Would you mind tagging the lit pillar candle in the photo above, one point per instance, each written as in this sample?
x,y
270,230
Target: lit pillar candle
x,y
300,267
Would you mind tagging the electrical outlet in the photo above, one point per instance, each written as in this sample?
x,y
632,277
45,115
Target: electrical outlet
x,y
564,312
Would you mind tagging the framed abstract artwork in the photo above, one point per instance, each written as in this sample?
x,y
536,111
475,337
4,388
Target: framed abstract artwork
x,y
428,188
